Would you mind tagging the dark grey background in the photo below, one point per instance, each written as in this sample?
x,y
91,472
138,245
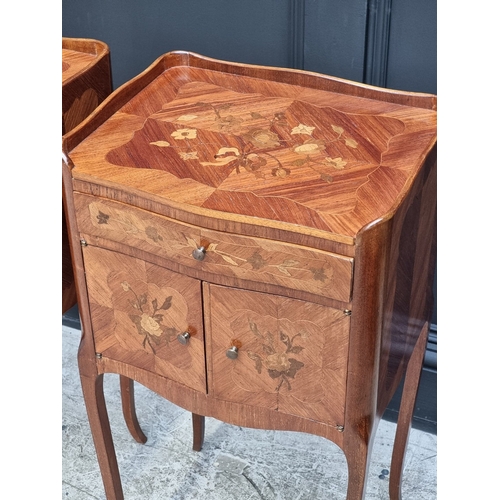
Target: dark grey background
x,y
390,43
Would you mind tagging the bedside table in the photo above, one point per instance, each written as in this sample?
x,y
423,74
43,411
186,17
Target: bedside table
x,y
257,245
86,82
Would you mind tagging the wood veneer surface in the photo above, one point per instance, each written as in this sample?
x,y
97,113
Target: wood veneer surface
x,y
86,82
264,152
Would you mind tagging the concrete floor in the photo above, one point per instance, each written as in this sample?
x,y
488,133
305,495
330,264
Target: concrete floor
x,y
235,463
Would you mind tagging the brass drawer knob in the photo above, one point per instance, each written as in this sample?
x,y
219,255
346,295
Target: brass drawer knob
x,y
183,338
232,352
199,253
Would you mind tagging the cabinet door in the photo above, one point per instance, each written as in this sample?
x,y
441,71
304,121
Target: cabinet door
x,y
292,355
138,309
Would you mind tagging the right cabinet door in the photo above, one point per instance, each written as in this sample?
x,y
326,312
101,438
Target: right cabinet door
x,y
292,354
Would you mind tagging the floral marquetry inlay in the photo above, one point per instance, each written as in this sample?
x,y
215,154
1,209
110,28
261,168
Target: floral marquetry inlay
x,y
246,145
278,361
291,354
226,254
138,310
262,137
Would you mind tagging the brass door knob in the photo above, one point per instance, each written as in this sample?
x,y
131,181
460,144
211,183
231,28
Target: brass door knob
x,y
183,338
199,253
232,352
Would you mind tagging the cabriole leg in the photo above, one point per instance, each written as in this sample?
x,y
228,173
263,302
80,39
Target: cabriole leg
x,y
408,399
128,407
93,394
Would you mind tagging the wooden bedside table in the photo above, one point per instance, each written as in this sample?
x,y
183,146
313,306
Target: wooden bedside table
x,y
256,245
86,82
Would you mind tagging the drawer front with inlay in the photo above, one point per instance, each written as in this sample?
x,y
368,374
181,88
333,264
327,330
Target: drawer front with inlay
x,y
242,257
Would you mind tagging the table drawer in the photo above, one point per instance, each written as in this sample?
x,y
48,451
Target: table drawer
x,y
241,257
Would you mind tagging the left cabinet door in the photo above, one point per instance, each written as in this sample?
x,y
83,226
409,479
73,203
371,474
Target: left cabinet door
x,y
139,309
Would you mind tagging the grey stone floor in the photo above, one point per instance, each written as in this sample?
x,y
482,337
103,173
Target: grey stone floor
x,y
235,463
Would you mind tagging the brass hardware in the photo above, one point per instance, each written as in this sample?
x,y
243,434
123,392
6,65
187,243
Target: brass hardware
x,y
232,352
83,243
340,428
98,355
347,312
183,338
199,253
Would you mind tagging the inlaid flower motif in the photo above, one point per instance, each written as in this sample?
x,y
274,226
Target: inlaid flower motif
x,y
262,138
102,218
302,129
251,162
190,155
257,261
280,172
184,133
229,123
149,320
311,146
278,362
318,274
150,325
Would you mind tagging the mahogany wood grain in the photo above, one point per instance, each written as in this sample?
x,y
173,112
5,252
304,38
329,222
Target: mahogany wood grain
x,y
314,199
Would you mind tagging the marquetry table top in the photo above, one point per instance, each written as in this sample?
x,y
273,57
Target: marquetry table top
x,y
284,146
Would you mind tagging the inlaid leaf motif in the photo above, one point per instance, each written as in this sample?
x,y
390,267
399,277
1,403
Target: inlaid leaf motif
x,y
160,144
257,359
152,233
295,366
351,143
254,329
186,118
337,129
274,373
191,242
229,260
302,129
168,302
278,364
284,270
